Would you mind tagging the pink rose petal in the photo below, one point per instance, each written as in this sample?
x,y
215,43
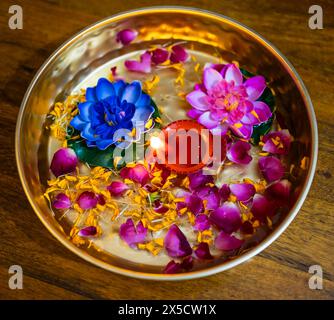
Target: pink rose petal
x,y
117,188
61,201
172,267
239,152
126,36
87,200
176,244
178,54
202,222
142,66
137,174
277,142
243,191
271,168
227,242
90,231
64,161
159,55
132,235
203,252
227,217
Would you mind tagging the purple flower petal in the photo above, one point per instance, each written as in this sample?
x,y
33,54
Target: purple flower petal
x,y
187,263
227,242
206,120
87,200
255,87
142,66
260,113
137,174
63,161
262,207
244,131
198,179
243,191
277,142
211,77
117,188
178,54
238,152
202,222
232,73
176,244
194,113
159,55
198,99
194,204
159,207
90,231
227,217
132,235
279,191
271,168
203,251
126,36
224,192
61,201
172,267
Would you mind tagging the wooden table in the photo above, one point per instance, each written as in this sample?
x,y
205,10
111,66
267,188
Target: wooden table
x,y
279,272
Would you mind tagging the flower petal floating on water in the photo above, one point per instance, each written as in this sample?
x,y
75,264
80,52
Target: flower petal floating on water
x,y
227,242
203,251
176,244
142,66
243,191
132,235
194,203
117,188
159,55
279,191
138,174
227,217
178,54
277,142
61,201
262,207
239,152
111,111
199,179
202,222
172,267
126,36
88,232
64,161
226,101
271,168
87,200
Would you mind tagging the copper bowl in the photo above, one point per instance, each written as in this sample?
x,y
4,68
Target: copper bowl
x,y
91,48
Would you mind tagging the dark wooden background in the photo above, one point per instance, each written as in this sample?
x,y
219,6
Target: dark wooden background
x,y
280,272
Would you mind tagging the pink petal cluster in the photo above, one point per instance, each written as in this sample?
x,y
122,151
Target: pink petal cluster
x,y
132,234
61,201
224,101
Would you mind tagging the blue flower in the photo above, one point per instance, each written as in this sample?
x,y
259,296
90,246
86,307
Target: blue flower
x,y
110,107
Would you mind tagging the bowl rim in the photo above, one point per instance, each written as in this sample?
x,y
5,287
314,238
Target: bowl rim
x,y
197,273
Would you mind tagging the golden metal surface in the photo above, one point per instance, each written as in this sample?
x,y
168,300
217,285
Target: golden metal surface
x,y
208,32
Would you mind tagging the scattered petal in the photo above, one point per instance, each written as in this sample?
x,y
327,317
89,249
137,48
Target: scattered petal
x,y
179,54
172,267
239,152
227,242
61,201
126,36
176,244
243,191
64,161
87,200
138,174
262,207
271,168
159,55
132,235
279,191
142,66
277,142
203,251
117,188
90,231
227,217
202,222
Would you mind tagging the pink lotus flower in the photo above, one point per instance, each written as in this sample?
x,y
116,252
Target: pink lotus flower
x,y
227,217
277,142
227,242
126,36
176,244
64,161
87,200
132,235
61,201
225,102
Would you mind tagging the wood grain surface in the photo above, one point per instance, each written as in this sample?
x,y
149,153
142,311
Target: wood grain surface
x,y
279,272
